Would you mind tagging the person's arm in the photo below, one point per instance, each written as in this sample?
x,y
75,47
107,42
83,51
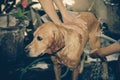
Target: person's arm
x,y
111,49
50,10
66,16
61,6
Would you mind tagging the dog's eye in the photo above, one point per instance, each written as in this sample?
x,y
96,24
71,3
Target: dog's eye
x,y
39,38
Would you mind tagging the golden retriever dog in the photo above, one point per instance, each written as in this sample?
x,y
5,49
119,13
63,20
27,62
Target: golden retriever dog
x,y
66,44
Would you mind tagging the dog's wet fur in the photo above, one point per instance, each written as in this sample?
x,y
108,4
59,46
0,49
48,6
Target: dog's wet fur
x,y
66,43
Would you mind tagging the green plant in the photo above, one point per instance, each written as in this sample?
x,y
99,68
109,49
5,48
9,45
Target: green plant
x,y
23,9
20,14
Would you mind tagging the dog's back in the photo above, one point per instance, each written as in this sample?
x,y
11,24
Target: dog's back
x,y
90,19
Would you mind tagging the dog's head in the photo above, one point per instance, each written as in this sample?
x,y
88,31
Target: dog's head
x,y
47,39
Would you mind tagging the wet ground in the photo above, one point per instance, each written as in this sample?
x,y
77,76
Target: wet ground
x,y
43,70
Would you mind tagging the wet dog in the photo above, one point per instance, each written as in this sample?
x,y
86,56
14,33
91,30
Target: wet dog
x,y
66,44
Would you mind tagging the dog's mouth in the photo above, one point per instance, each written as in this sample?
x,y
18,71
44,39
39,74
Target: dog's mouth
x,y
43,53
32,53
36,55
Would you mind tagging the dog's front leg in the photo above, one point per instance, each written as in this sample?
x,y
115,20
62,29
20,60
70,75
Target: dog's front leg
x,y
75,74
57,71
57,68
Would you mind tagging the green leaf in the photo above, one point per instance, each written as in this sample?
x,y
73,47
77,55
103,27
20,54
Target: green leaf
x,y
21,14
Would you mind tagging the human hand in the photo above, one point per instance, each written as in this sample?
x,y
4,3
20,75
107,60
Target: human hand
x,y
94,53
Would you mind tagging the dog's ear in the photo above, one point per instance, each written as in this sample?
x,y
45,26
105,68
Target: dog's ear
x,y
58,41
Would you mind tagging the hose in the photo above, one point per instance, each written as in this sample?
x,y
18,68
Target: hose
x,y
24,70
